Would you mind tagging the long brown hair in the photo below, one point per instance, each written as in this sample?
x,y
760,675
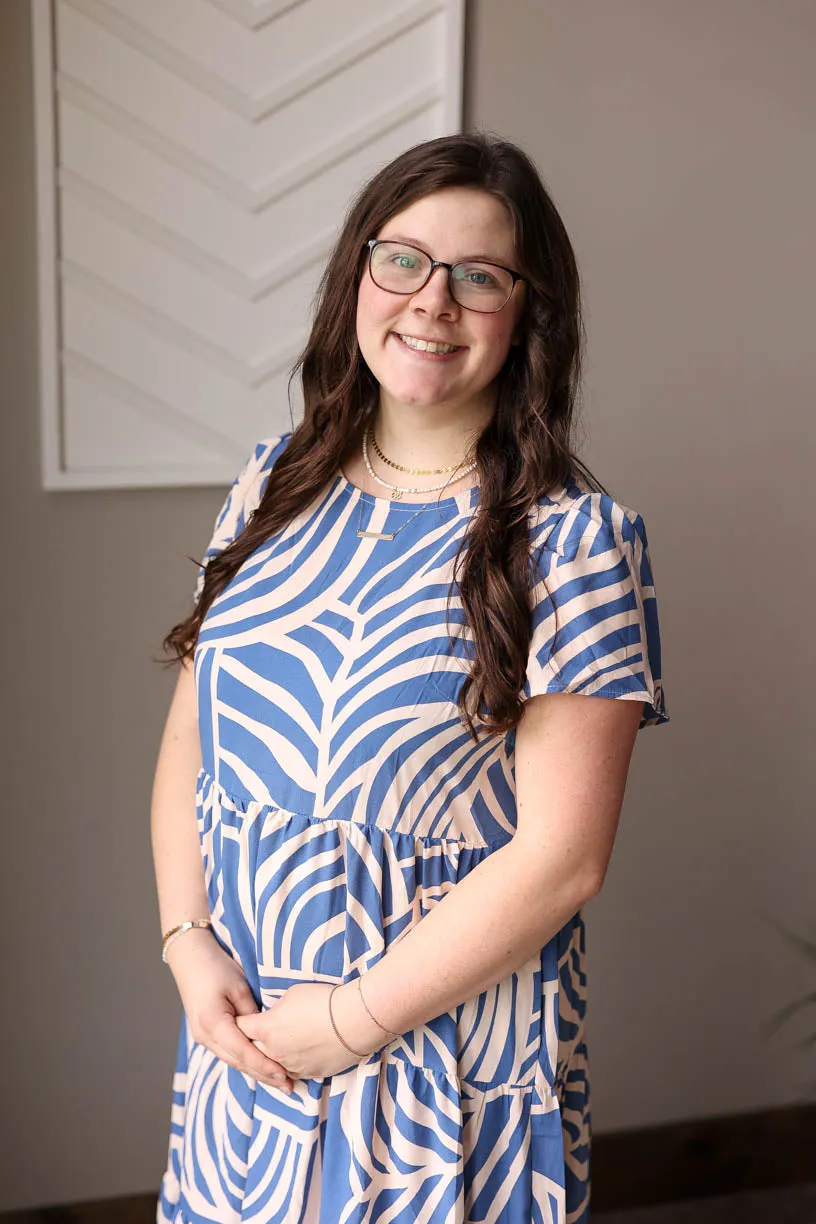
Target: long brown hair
x,y
524,451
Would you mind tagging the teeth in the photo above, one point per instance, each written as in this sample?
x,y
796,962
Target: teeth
x,y
427,346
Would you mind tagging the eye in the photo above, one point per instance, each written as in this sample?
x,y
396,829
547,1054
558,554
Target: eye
x,y
405,261
478,277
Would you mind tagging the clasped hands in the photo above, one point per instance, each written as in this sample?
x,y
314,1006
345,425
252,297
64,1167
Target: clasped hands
x,y
296,1030
292,1039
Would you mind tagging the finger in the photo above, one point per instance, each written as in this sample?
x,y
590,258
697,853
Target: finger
x,y
226,1032
249,1026
241,1050
255,1034
243,1000
261,1075
259,1045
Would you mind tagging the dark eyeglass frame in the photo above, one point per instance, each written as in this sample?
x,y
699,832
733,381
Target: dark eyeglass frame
x,y
373,243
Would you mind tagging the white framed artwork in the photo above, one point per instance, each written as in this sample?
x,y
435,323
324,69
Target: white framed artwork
x,y
194,161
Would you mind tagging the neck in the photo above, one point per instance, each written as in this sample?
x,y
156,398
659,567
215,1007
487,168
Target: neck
x,y
429,438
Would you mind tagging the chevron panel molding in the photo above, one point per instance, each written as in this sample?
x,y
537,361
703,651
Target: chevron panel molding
x,y
194,162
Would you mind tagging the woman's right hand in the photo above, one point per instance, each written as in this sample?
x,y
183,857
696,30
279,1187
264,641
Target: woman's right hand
x,y
213,992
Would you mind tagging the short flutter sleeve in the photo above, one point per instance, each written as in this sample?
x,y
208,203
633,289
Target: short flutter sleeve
x,y
594,620
242,499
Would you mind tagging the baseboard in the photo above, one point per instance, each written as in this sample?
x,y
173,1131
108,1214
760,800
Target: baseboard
x,y
136,1209
633,1168
703,1157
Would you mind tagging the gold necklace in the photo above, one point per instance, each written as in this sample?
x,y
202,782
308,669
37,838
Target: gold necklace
x,y
411,471
398,490
389,535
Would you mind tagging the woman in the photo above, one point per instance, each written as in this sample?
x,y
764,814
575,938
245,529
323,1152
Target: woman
x,y
405,784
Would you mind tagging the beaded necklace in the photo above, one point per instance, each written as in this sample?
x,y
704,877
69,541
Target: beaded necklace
x,y
397,490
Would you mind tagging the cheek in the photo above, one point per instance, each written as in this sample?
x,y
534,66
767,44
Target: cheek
x,y
495,337
371,309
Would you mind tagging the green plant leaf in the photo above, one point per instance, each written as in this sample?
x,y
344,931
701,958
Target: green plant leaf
x,y
806,946
784,1014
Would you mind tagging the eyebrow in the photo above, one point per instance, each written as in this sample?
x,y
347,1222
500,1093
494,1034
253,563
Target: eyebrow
x,y
462,258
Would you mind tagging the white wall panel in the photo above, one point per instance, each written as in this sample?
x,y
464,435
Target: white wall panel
x,y
195,158
172,292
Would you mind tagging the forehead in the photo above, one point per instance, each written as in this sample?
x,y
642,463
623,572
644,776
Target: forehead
x,y
454,223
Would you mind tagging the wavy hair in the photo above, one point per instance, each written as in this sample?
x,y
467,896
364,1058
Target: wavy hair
x,y
524,451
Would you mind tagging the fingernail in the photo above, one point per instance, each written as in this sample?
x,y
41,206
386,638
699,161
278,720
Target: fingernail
x,y
279,1078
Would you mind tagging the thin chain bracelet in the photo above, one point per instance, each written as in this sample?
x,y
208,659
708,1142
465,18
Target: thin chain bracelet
x,y
356,1053
368,1009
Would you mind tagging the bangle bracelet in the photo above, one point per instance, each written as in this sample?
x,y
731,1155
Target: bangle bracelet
x,y
368,1009
172,935
356,1053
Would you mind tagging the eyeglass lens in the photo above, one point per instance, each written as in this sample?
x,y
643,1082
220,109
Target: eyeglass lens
x,y
400,268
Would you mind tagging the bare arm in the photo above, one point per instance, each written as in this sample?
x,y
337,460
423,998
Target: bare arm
x,y
212,986
176,853
572,759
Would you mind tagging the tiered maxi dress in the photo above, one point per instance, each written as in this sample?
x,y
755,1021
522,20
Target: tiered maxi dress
x,y
340,798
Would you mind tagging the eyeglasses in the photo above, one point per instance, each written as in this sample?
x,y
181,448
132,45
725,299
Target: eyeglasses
x,y
475,284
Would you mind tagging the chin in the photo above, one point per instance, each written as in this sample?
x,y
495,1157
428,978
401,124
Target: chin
x,y
418,399
418,394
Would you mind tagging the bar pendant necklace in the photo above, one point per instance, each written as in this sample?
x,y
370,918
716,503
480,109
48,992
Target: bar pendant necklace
x,y
380,535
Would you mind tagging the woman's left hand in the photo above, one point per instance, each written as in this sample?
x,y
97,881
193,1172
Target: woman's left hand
x,y
298,1029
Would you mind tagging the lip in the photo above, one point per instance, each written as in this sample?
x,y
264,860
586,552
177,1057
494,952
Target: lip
x,y
428,339
423,354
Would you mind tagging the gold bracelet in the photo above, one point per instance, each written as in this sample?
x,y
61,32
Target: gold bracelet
x,y
356,1053
368,1009
172,935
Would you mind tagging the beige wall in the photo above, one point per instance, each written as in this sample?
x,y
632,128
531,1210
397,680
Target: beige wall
x,y
674,138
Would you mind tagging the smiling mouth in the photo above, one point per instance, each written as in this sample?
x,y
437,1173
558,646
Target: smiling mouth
x,y
428,346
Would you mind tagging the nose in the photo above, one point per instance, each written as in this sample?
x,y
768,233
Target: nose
x,y
435,296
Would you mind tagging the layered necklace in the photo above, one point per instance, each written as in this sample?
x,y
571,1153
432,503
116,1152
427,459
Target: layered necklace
x,y
398,490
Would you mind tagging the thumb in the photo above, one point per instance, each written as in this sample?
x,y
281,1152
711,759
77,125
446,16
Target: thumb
x,y
242,999
251,1026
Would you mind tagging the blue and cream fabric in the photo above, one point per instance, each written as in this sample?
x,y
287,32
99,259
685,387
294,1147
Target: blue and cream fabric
x,y
340,797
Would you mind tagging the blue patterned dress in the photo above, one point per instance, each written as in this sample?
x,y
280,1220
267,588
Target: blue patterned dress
x,y
339,799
